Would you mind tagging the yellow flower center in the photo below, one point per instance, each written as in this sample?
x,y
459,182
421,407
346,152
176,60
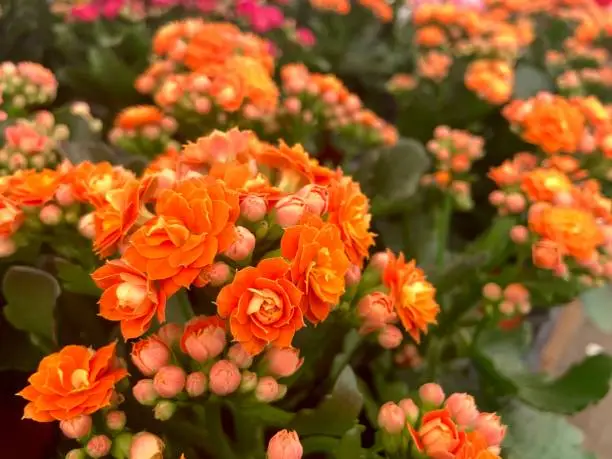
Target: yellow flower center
x,y
80,379
130,294
265,304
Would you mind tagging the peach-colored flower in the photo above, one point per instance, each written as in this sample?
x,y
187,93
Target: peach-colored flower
x,y
438,436
11,217
31,188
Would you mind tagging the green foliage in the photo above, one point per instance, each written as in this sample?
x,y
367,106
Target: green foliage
x,y
597,304
26,30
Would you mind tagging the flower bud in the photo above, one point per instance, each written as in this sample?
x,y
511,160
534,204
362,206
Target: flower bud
x,y
144,392
376,310
169,381
239,356
289,210
253,208
64,195
242,247
283,362
115,420
391,418
7,247
379,261
87,227
77,427
497,198
410,409
432,394
121,445
519,234
145,445
285,445
248,381
149,355
462,408
76,454
224,377
515,202
353,275
196,384
203,339
492,292
315,198
490,426
169,334
267,389
50,215
164,410
547,254
390,337
98,446
516,293
218,274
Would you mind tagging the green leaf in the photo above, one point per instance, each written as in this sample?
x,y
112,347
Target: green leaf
x,y
533,434
337,413
528,81
178,309
597,304
350,444
79,151
500,355
76,279
31,295
17,351
267,414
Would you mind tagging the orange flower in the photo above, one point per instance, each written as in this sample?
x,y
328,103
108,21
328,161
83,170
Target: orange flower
x,y
413,296
554,125
114,221
430,36
257,84
380,8
292,161
491,80
545,184
194,222
438,436
575,230
338,6
348,209
90,182
318,264
547,254
11,217
263,306
72,382
475,447
31,188
220,147
228,90
167,160
138,116
129,297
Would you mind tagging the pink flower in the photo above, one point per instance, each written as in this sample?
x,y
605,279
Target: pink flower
x,y
285,445
25,138
305,37
462,408
85,13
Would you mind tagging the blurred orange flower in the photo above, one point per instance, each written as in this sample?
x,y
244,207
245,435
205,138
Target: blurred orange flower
x,y
11,217
72,382
318,264
544,184
138,116
262,305
31,188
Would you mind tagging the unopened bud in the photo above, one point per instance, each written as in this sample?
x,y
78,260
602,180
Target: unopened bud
x,y
432,394
240,356
253,208
115,420
169,381
243,245
98,446
248,382
144,392
390,337
224,377
267,389
77,427
164,410
391,418
196,384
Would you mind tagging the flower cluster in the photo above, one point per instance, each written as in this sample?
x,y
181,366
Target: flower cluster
x,y
25,84
437,426
381,9
454,151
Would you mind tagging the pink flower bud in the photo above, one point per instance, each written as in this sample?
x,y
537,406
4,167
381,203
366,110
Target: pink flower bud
x,y
267,389
248,382
204,338
285,445
77,427
315,197
490,426
462,408
50,215
390,337
391,418
115,420
64,195
76,454
353,276
410,409
145,445
379,261
98,446
239,356
283,362
196,384
376,311
497,198
224,377
492,292
164,410
293,105
149,355
515,202
289,210
242,246
144,391
253,208
432,393
87,227
516,293
169,334
507,308
519,234
169,381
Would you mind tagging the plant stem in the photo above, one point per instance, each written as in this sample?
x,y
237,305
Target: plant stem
x,y
442,229
221,443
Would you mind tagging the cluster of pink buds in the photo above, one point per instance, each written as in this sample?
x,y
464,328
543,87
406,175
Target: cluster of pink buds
x,y
32,144
25,84
182,363
509,302
408,356
438,426
143,129
333,104
454,151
